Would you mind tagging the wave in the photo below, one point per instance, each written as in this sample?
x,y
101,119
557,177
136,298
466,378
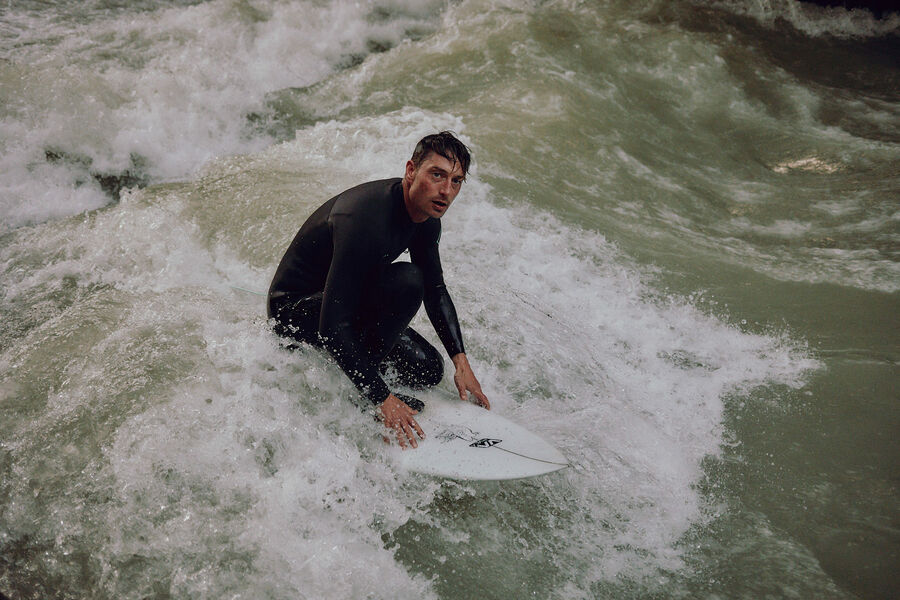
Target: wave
x,y
193,439
815,20
96,99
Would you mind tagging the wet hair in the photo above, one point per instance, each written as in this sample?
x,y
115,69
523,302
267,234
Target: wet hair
x,y
445,144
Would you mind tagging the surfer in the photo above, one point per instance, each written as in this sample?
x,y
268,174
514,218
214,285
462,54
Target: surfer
x,y
337,286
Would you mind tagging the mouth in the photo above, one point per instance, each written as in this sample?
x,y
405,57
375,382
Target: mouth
x,y
440,206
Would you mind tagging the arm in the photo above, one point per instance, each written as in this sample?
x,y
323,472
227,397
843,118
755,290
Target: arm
x,y
398,417
466,381
442,314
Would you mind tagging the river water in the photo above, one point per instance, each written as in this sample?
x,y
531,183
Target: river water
x,y
677,257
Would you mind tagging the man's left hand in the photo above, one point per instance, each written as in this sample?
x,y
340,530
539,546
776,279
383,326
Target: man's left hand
x,y
466,382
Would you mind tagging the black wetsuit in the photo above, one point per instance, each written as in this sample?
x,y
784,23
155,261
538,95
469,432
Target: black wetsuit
x,y
337,286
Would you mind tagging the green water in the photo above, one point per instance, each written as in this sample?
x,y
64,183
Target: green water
x,y
676,258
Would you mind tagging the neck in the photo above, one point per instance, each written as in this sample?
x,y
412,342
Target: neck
x,y
412,215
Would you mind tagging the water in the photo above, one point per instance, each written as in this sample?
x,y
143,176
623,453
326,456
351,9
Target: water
x,y
677,258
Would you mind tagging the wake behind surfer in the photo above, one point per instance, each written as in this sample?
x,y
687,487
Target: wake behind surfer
x,y
337,285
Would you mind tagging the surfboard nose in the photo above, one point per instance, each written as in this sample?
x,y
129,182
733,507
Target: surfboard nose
x,y
475,444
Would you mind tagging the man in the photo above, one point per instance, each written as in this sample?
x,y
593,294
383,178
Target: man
x,y
337,285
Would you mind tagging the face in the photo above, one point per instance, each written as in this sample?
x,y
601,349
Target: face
x,y
432,187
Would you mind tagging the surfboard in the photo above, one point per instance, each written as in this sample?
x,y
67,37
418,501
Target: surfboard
x,y
465,441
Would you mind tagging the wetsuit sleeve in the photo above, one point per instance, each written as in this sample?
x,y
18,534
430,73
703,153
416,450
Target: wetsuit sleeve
x,y
354,261
438,304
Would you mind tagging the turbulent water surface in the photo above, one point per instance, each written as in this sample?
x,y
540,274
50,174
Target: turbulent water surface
x,y
677,257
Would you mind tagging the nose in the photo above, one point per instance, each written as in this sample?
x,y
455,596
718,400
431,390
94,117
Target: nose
x,y
446,187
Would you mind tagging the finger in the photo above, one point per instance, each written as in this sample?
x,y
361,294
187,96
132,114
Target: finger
x,y
482,400
417,428
399,431
409,434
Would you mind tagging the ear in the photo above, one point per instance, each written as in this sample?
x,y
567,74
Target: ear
x,y
410,171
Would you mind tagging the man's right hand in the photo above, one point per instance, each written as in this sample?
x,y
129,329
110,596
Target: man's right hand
x,y
398,417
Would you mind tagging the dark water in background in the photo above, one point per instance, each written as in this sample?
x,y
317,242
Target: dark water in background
x,y
677,259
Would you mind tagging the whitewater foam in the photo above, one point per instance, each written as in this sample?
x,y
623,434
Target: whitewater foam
x,y
228,464
167,89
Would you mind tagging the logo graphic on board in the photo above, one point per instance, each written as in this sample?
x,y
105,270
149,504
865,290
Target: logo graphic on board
x,y
484,443
467,435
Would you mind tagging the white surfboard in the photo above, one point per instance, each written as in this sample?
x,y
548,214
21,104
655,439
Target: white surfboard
x,y
465,441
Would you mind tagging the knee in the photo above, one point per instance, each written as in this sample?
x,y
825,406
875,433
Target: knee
x,y
417,363
432,371
429,368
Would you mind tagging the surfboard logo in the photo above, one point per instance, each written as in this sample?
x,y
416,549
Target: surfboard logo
x,y
484,443
467,435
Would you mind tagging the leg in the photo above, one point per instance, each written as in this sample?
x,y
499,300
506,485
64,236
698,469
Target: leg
x,y
393,303
390,307
297,317
417,363
397,346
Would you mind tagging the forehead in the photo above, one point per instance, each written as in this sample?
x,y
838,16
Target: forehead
x,y
433,160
